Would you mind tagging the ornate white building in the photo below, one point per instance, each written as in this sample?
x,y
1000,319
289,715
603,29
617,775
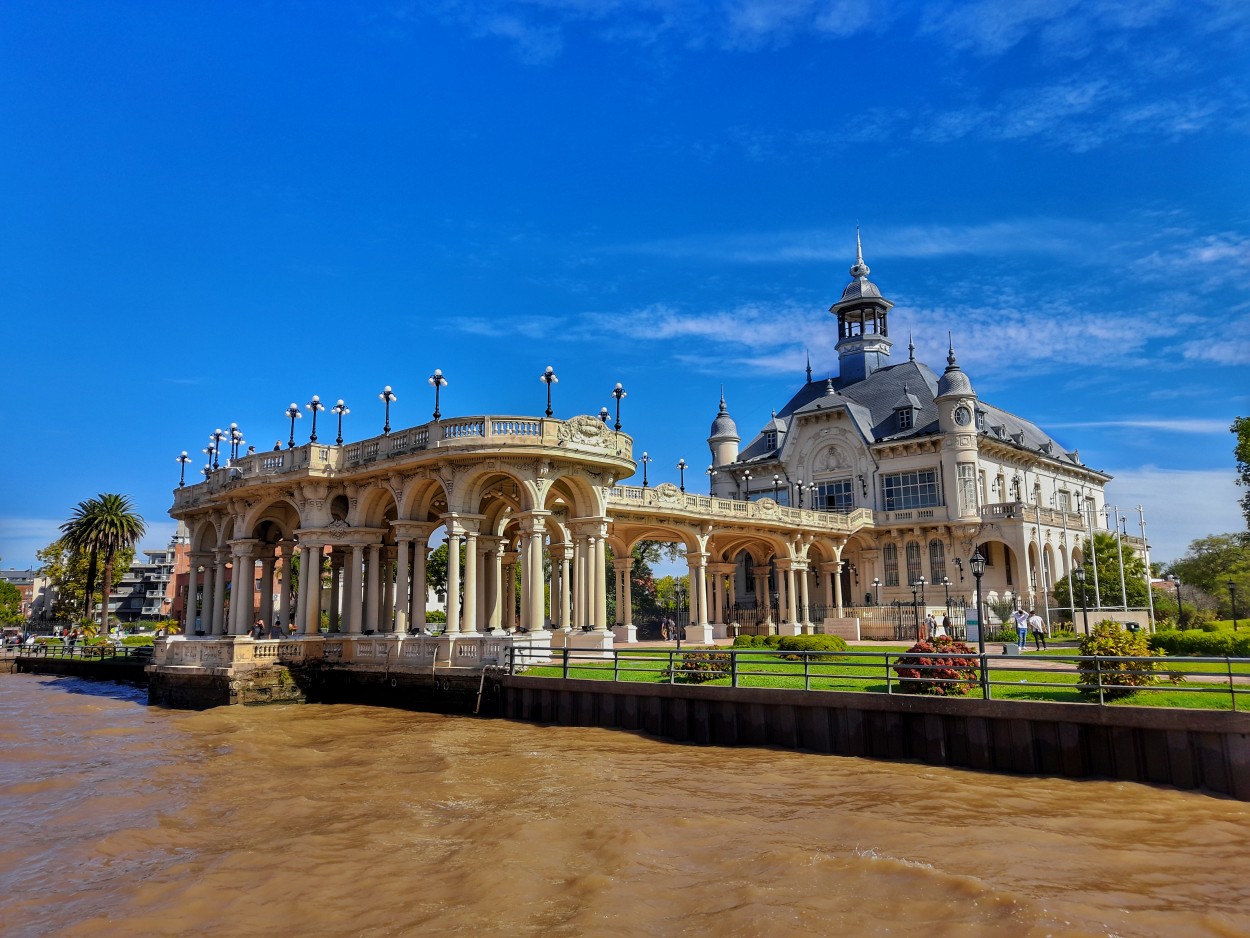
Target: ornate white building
x,y
942,471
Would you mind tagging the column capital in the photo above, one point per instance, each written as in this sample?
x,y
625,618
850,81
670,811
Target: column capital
x,y
460,523
414,530
533,522
623,563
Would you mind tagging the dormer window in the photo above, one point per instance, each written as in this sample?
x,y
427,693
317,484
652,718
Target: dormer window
x,y
904,417
770,439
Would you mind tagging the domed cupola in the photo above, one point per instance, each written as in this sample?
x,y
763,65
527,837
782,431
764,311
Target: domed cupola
x,y
953,383
863,330
724,439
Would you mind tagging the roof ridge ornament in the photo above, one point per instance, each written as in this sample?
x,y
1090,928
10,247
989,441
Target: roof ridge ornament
x,y
950,356
809,366
911,347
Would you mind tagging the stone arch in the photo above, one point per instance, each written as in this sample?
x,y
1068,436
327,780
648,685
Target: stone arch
x,y
374,503
281,511
423,498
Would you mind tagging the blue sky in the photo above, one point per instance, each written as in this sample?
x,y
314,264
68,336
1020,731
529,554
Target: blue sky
x,y
211,211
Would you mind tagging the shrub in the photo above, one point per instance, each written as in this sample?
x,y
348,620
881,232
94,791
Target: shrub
x,y
705,664
748,641
771,641
1201,644
137,640
435,615
1118,678
810,643
927,669
1005,633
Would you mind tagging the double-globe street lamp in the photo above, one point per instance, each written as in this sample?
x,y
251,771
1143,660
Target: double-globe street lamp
x,y
294,413
646,460
876,591
619,393
182,470
548,377
340,410
437,382
316,407
681,467
388,398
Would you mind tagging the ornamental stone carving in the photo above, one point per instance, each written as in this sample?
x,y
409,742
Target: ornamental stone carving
x,y
668,492
584,430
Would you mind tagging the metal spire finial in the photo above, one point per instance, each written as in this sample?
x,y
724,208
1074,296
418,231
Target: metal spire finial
x,y
950,356
809,366
911,347
860,270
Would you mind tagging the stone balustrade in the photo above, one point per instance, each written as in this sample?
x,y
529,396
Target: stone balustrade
x,y
669,499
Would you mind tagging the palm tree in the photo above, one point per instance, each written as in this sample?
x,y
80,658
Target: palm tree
x,y
103,527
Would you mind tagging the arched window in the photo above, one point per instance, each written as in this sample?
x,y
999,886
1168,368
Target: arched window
x,y
937,560
889,558
914,569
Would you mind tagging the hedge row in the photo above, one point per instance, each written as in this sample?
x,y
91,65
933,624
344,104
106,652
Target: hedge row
x,y
1202,644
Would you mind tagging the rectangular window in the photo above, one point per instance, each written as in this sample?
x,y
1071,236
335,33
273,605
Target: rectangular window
x,y
913,562
910,490
835,496
1064,502
904,419
889,559
967,488
937,561
770,439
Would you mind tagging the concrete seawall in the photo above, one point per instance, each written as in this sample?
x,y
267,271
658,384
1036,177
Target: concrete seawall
x,y
1189,749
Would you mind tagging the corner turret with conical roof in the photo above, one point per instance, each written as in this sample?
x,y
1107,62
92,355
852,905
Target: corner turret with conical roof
x,y
863,330
723,440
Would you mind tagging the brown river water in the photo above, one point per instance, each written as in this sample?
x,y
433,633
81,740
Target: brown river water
x,y
121,819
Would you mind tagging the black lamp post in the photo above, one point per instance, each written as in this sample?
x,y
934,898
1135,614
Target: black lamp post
x,y
977,565
1180,609
746,485
946,583
876,591
920,581
799,485
646,461
211,452
315,406
294,413
1079,575
711,478
182,474
387,397
618,392
915,606
681,468
960,564
340,409
217,437
437,382
776,486
1232,597
236,441
812,491
603,415
549,378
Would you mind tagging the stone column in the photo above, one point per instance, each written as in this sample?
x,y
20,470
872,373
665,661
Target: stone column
x,y
698,631
805,608
402,584
837,590
494,583
453,582
312,573
624,591
580,606
191,611
566,554
219,593
373,589
468,615
535,597
601,582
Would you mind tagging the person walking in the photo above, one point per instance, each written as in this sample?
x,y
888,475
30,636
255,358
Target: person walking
x,y
1038,627
1022,628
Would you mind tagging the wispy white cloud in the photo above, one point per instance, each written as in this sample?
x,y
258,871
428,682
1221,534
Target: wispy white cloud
x,y
1194,425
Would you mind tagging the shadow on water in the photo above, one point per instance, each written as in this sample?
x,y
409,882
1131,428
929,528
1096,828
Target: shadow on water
x,y
131,693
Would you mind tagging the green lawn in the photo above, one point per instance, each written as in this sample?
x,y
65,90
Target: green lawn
x,y
865,671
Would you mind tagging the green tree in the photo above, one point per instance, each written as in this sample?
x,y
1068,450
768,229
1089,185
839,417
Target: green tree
x,y
10,603
1241,429
1211,563
67,575
1106,548
102,528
